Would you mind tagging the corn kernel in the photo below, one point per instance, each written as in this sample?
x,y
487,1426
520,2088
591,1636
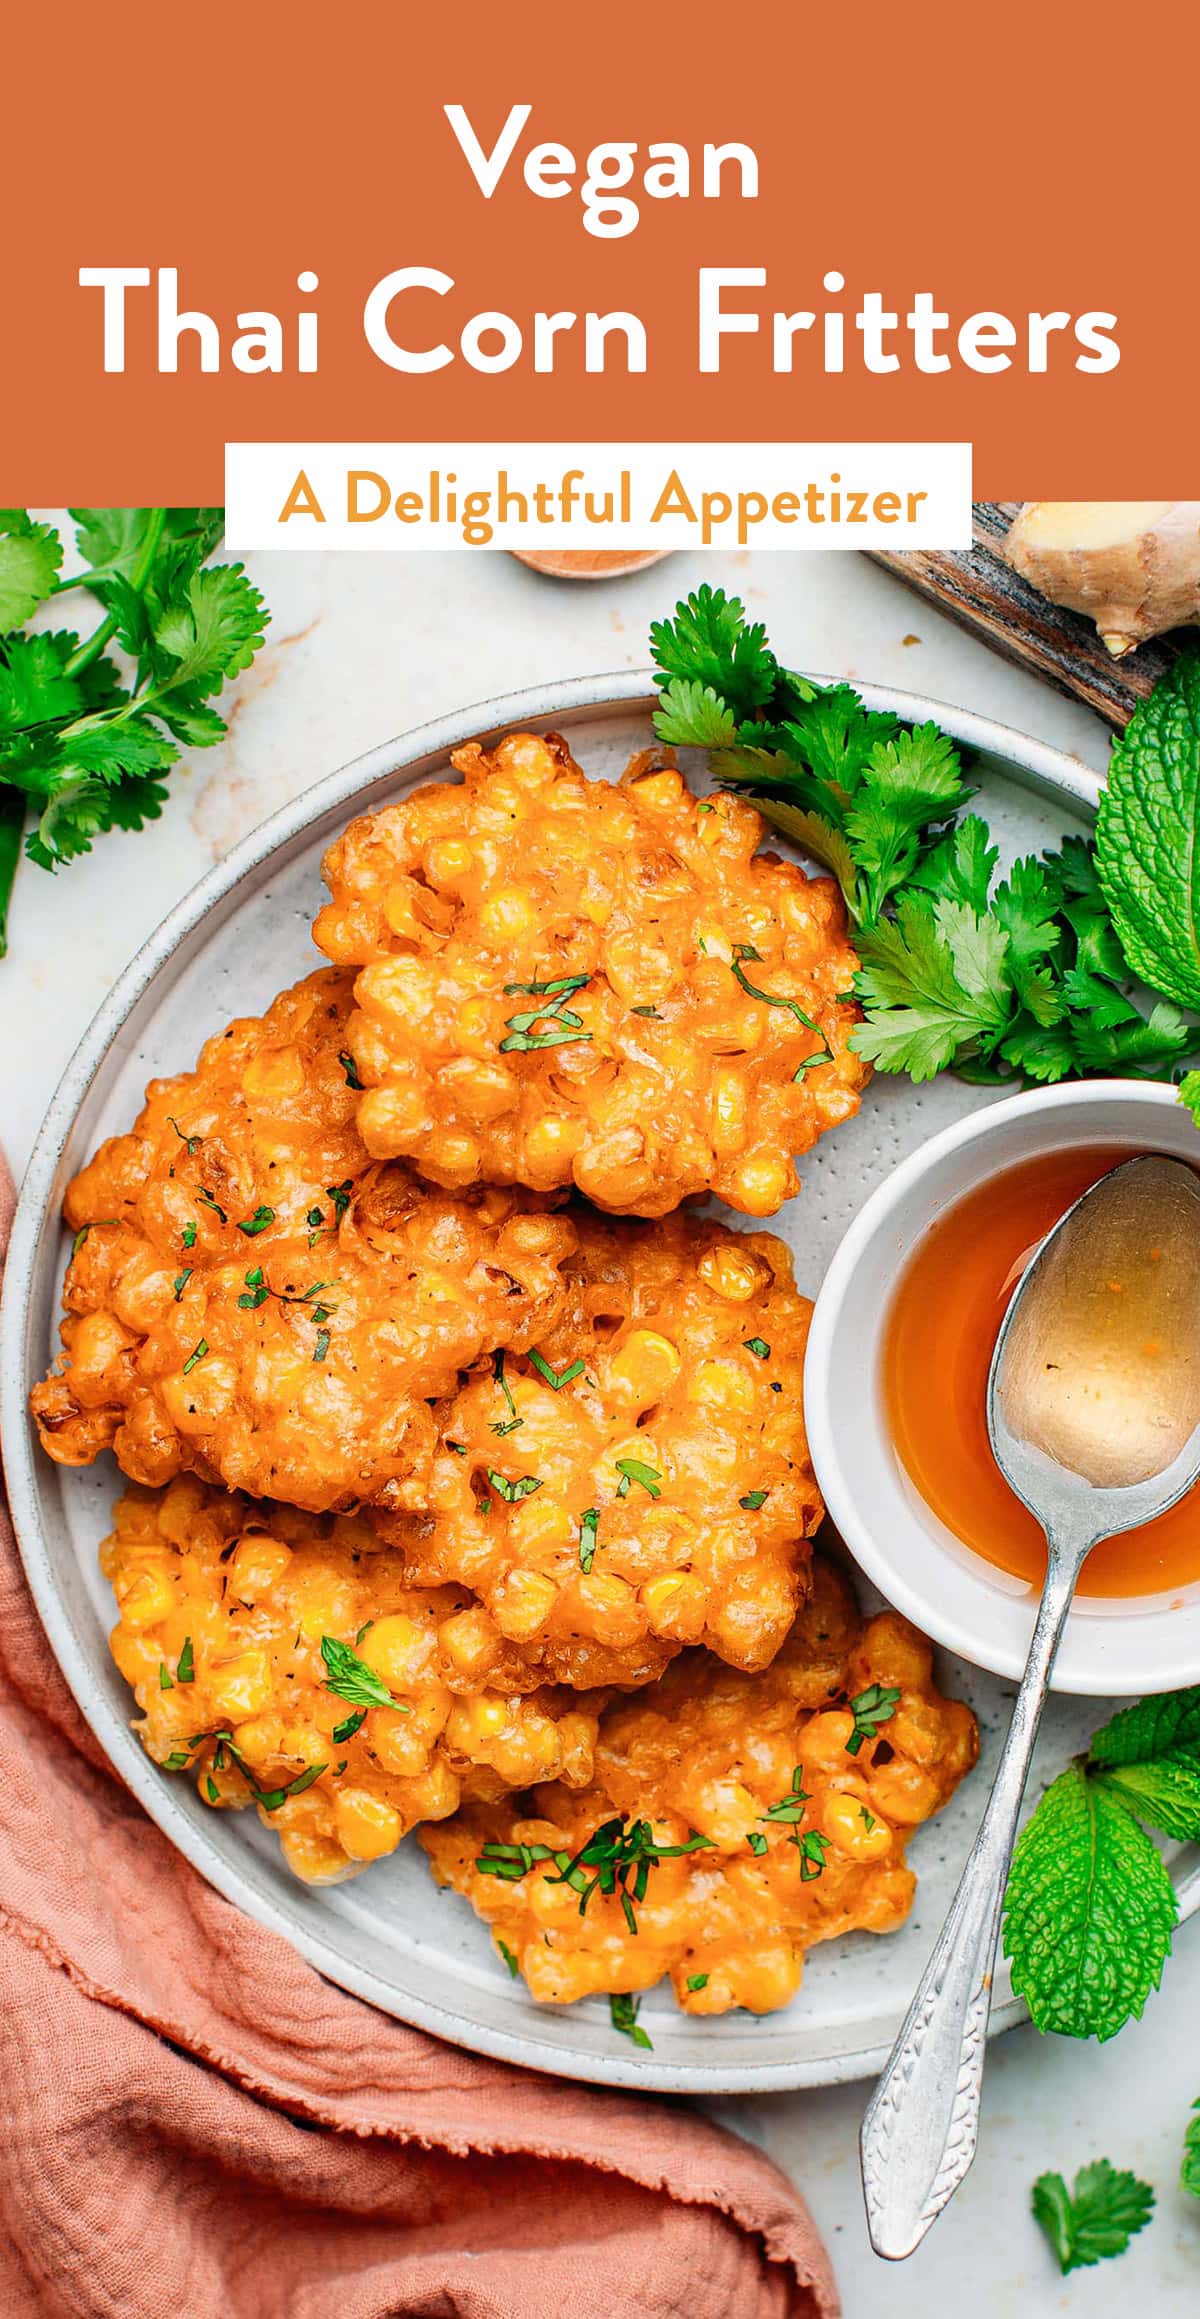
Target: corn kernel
x,y
274,1078
824,1740
367,1826
675,1605
195,1402
470,1641
507,915
853,1828
148,1599
397,1649
763,1182
241,1687
390,1118
316,1859
522,1603
646,1366
730,1103
474,1723
721,1385
732,1273
257,1565
485,1090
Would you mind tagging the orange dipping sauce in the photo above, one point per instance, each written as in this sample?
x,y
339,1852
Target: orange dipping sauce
x,y
941,1332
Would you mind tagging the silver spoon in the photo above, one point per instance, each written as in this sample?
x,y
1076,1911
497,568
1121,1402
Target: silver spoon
x,y
1094,1419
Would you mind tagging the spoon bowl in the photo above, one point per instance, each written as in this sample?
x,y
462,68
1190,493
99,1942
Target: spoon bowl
x,y
1094,1419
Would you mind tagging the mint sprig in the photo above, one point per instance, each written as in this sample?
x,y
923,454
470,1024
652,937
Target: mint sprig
x,y
1091,1909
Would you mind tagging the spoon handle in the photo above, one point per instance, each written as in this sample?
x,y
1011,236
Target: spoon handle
x,y
922,2124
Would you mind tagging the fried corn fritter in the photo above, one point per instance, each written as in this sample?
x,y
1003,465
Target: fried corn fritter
x,y
733,1823
569,981
640,1479
252,1298
281,1660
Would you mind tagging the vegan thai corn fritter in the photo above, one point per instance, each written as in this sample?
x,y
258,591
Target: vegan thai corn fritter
x,y
564,981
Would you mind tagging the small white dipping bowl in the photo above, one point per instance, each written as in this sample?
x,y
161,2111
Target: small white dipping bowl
x,y
1112,1646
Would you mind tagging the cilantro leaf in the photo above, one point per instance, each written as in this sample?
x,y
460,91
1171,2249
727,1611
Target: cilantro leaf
x,y
30,556
919,1012
710,644
1148,835
1089,1913
35,687
213,632
693,717
1094,2219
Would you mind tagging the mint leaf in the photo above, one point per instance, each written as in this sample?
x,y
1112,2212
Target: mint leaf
x,y
1189,2174
1148,835
350,1678
1167,1725
30,556
1166,1793
1096,2218
1089,1912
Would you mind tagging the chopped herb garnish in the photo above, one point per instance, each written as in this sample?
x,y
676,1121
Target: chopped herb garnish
x,y
321,1346
258,1222
589,1524
624,2012
258,1290
457,1448
757,1841
181,1281
94,1226
508,1957
812,1848
620,1852
212,1791
197,1354
346,1730
743,950
551,1025
350,1678
185,1672
868,1819
631,1469
512,1861
189,1233
753,1500
208,1201
511,1491
759,1347
556,1378
193,1142
350,1069
340,1195
502,1381
646,1011
364,1629
791,1807
177,1760
508,1425
872,1707
697,1981
165,1680
315,1220
271,1801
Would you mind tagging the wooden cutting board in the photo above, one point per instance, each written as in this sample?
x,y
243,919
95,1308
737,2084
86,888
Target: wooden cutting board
x,y
978,589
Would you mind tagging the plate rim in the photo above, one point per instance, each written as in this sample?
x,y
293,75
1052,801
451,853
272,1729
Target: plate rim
x,y
1040,765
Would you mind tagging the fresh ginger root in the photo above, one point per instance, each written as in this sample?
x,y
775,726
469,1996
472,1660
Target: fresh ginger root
x,y
1132,565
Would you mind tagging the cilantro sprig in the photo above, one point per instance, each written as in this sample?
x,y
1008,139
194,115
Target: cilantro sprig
x,y
85,743
1024,978
1091,1909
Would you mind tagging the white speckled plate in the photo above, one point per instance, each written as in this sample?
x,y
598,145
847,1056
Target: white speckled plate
x,y
239,937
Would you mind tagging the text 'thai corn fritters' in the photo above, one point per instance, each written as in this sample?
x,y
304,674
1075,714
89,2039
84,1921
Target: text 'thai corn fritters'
x,y
641,1479
779,1832
566,981
251,1297
280,1661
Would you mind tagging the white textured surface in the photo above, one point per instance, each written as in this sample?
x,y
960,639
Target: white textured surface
x,y
361,649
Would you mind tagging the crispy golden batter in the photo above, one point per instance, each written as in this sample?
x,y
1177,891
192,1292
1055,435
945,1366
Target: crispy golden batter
x,y
555,985
661,1493
224,1607
710,1753
253,1298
